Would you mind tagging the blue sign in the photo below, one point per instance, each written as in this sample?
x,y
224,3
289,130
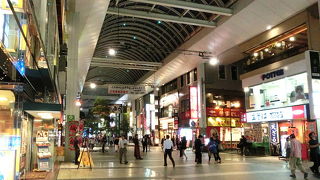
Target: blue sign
x,y
20,66
273,132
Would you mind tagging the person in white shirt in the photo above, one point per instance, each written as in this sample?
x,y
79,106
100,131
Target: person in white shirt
x,y
123,149
167,149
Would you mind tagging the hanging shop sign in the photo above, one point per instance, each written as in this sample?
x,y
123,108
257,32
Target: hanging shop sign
x,y
193,102
287,113
274,132
273,74
126,89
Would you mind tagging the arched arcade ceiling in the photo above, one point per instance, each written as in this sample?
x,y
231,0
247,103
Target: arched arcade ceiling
x,y
142,39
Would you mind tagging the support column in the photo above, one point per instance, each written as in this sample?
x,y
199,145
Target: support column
x,y
202,98
72,112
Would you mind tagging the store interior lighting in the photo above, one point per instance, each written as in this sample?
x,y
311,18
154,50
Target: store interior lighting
x,y
3,99
246,89
45,115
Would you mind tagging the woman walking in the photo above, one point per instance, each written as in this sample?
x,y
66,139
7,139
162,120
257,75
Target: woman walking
x,y
216,154
136,147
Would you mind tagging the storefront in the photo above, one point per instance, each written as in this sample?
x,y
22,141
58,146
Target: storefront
x,y
224,111
278,104
169,105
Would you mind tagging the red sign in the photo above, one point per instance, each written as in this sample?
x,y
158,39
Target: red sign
x,y
298,112
193,102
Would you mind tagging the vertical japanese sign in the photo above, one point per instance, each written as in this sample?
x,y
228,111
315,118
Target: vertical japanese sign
x,y
193,103
274,132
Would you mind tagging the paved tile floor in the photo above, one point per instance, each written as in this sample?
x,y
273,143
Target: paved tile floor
x,y
235,167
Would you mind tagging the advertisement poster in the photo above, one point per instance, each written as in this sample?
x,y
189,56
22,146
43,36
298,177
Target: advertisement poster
x,y
7,169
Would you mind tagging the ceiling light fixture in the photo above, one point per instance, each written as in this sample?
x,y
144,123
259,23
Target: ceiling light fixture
x,y
93,85
292,38
213,61
278,44
269,27
112,52
255,54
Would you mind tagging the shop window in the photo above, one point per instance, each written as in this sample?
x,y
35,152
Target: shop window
x,y
195,75
288,91
222,72
188,78
181,81
283,46
234,72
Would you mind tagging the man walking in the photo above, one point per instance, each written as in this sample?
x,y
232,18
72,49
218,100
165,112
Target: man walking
x,y
295,157
167,148
314,152
123,149
76,145
198,148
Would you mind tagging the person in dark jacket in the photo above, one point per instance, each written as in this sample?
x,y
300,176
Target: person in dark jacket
x,y
76,145
216,153
103,142
145,143
136,147
198,148
242,145
314,152
183,147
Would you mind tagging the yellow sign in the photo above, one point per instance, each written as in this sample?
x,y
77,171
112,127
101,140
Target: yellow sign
x,y
17,5
224,122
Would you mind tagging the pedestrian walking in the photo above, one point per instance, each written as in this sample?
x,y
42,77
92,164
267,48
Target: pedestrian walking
x,y
162,141
183,147
314,152
212,148
145,143
287,147
116,144
295,157
216,153
123,149
103,142
242,145
136,147
168,148
76,149
198,150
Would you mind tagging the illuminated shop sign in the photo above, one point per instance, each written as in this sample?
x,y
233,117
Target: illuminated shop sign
x,y
274,132
193,103
287,113
272,74
224,122
224,112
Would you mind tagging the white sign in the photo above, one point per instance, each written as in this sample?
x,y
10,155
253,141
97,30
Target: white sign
x,y
279,114
126,89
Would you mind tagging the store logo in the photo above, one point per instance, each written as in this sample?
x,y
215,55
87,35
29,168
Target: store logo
x,y
273,74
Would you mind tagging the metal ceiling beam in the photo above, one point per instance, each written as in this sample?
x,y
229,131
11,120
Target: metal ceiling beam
x,y
124,61
190,6
145,68
160,17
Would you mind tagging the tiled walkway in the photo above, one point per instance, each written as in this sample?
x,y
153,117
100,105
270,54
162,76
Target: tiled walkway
x,y
235,167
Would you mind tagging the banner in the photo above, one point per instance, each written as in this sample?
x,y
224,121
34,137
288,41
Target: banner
x,y
126,89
